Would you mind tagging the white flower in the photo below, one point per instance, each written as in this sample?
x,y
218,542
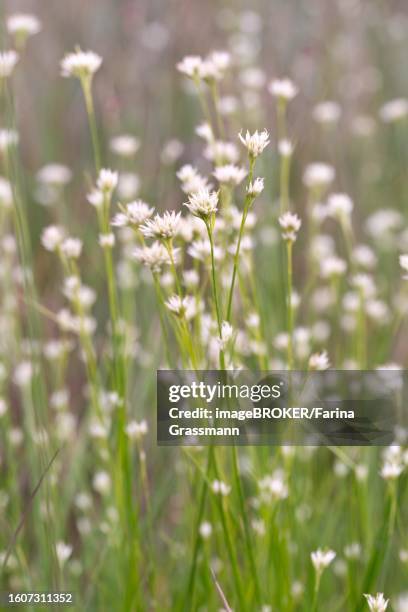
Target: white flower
x,y
128,186
394,110
255,143
220,487
124,145
230,174
23,25
52,237
6,193
226,334
377,603
81,64
319,361
64,551
8,138
191,180
106,241
191,66
107,181
71,247
102,482
221,152
318,175
136,430
54,174
327,112
332,266
134,214
290,224
8,60
23,373
285,148
256,187
162,226
403,260
182,307
202,203
154,256
283,88
340,205
205,530
391,470
352,551
204,130
322,559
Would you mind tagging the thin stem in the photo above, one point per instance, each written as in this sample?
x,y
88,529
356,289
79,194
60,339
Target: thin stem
x,y
247,204
215,291
90,109
289,245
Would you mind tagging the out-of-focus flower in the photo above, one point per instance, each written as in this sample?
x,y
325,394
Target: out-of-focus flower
x,y
395,110
64,551
54,174
52,237
403,260
340,205
319,361
135,430
290,224
318,175
107,181
124,145
284,89
80,64
21,26
322,559
8,61
154,257
327,112
182,307
230,174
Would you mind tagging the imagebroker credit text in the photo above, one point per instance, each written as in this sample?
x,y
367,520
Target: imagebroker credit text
x,y
277,412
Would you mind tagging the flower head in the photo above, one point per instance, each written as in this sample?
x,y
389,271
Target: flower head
x,y
107,181
23,25
284,89
230,174
133,214
256,187
182,307
319,361
255,143
124,145
290,224
190,66
403,260
322,559
154,257
80,64
202,203
52,237
318,175
377,603
8,60
163,226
